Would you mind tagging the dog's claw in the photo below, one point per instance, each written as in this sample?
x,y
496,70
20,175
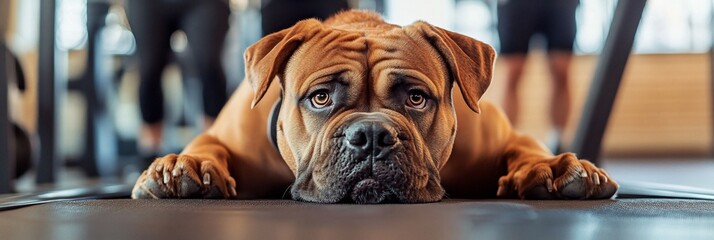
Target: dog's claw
x,y
501,191
584,174
549,185
596,178
206,179
174,176
178,169
167,177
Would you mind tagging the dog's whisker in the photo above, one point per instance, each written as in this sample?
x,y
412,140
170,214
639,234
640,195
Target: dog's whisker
x,y
286,190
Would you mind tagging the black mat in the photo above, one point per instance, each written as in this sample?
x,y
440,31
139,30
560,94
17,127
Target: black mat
x,y
68,214
284,219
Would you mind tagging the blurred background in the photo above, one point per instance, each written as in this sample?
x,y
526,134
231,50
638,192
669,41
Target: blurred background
x,y
80,95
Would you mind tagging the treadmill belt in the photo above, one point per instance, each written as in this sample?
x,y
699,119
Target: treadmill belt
x,y
284,219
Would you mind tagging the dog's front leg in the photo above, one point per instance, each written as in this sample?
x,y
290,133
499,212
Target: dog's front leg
x,y
534,173
200,171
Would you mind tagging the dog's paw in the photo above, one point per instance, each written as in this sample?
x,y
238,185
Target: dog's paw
x,y
564,177
184,176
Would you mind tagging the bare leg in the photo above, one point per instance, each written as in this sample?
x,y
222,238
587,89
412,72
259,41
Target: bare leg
x,y
559,62
208,122
514,64
151,137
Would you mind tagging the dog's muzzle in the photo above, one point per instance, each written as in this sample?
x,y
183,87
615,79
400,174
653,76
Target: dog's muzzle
x,y
375,140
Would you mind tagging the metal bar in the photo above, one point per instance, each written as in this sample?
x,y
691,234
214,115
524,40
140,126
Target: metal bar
x,y
711,77
46,88
95,21
101,155
4,18
606,81
7,153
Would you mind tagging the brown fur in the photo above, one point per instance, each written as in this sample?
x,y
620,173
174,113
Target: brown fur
x,y
482,157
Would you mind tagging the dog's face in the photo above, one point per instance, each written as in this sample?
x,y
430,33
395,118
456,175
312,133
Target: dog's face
x,y
367,114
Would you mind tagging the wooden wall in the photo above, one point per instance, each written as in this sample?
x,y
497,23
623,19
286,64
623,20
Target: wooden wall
x,y
663,107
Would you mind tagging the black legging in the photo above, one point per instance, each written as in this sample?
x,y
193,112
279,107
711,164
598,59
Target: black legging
x,y
280,14
205,23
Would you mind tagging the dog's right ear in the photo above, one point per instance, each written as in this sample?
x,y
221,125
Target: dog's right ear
x,y
267,58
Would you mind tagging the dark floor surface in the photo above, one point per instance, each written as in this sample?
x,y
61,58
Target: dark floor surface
x,y
284,219
639,218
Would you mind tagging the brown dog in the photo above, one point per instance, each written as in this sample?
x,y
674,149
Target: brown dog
x,y
369,114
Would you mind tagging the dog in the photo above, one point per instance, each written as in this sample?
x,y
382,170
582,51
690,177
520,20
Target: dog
x,y
363,111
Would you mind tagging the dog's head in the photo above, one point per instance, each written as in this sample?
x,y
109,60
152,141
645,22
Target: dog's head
x,y
367,114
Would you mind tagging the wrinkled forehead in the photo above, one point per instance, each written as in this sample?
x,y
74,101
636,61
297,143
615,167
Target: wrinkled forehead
x,y
365,56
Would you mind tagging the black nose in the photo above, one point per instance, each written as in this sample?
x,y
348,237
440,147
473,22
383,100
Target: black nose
x,y
370,137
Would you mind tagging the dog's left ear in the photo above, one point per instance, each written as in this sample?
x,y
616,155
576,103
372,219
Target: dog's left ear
x,y
470,61
267,58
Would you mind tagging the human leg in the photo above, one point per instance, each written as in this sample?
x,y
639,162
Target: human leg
x,y
206,26
560,32
517,22
560,101
152,48
514,65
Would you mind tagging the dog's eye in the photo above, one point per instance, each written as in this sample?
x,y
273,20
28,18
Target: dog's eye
x,y
417,99
320,99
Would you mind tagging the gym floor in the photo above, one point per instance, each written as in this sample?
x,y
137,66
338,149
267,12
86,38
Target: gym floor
x,y
627,218
282,219
686,172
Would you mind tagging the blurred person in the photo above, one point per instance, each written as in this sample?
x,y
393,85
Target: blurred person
x,y
281,14
518,22
153,22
